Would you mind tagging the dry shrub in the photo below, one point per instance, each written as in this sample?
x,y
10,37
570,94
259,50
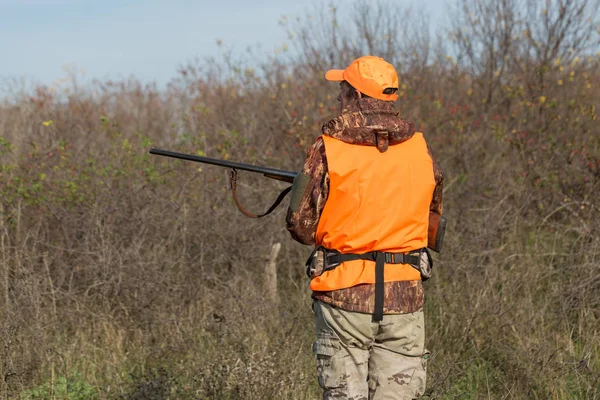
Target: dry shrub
x,y
136,274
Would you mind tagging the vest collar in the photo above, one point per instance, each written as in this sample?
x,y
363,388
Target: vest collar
x,y
370,122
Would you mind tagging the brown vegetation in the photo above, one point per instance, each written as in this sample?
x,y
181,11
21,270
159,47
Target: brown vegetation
x,y
135,277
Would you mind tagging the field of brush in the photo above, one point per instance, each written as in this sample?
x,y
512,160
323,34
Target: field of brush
x,y
130,276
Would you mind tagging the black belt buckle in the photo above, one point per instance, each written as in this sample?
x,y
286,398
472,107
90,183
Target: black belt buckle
x,y
390,258
413,258
393,258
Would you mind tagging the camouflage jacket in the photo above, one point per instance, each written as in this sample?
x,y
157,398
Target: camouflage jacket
x,y
357,125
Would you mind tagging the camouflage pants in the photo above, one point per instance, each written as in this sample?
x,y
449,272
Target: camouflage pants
x,y
358,359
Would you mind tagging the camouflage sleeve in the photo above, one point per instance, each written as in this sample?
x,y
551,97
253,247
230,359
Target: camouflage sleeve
x,y
436,201
311,191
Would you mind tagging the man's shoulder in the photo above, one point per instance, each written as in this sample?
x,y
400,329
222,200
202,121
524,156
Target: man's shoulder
x,y
318,146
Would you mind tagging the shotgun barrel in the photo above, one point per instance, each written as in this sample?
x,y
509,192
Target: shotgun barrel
x,y
286,176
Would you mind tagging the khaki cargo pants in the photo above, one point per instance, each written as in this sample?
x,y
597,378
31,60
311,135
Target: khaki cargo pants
x,y
358,359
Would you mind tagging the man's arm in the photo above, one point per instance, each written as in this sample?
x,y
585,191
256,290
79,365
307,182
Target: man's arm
x,y
309,193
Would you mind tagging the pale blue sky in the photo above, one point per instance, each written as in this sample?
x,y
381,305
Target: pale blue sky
x,y
148,39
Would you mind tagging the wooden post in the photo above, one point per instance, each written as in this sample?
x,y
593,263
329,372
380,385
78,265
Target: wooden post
x,y
271,275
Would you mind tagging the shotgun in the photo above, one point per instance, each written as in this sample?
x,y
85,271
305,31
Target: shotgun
x,y
437,223
272,173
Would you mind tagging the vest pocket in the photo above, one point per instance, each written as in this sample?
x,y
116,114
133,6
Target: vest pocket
x,y
425,266
315,263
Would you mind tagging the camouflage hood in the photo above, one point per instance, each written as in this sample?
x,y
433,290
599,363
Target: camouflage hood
x,y
370,122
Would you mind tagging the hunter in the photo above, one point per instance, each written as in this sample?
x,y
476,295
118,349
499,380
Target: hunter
x,y
363,199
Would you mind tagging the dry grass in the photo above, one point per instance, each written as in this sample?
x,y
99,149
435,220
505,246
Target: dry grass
x,y
125,276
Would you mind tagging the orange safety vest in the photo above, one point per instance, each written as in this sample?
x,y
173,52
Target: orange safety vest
x,y
377,201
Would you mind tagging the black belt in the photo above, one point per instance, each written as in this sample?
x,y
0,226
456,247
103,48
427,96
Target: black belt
x,y
333,259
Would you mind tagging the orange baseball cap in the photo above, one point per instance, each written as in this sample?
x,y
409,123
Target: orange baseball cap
x,y
370,75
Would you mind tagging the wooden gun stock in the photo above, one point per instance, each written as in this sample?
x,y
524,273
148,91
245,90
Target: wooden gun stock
x,y
435,234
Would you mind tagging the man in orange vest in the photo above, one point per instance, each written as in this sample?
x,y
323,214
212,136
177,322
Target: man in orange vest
x,y
363,200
